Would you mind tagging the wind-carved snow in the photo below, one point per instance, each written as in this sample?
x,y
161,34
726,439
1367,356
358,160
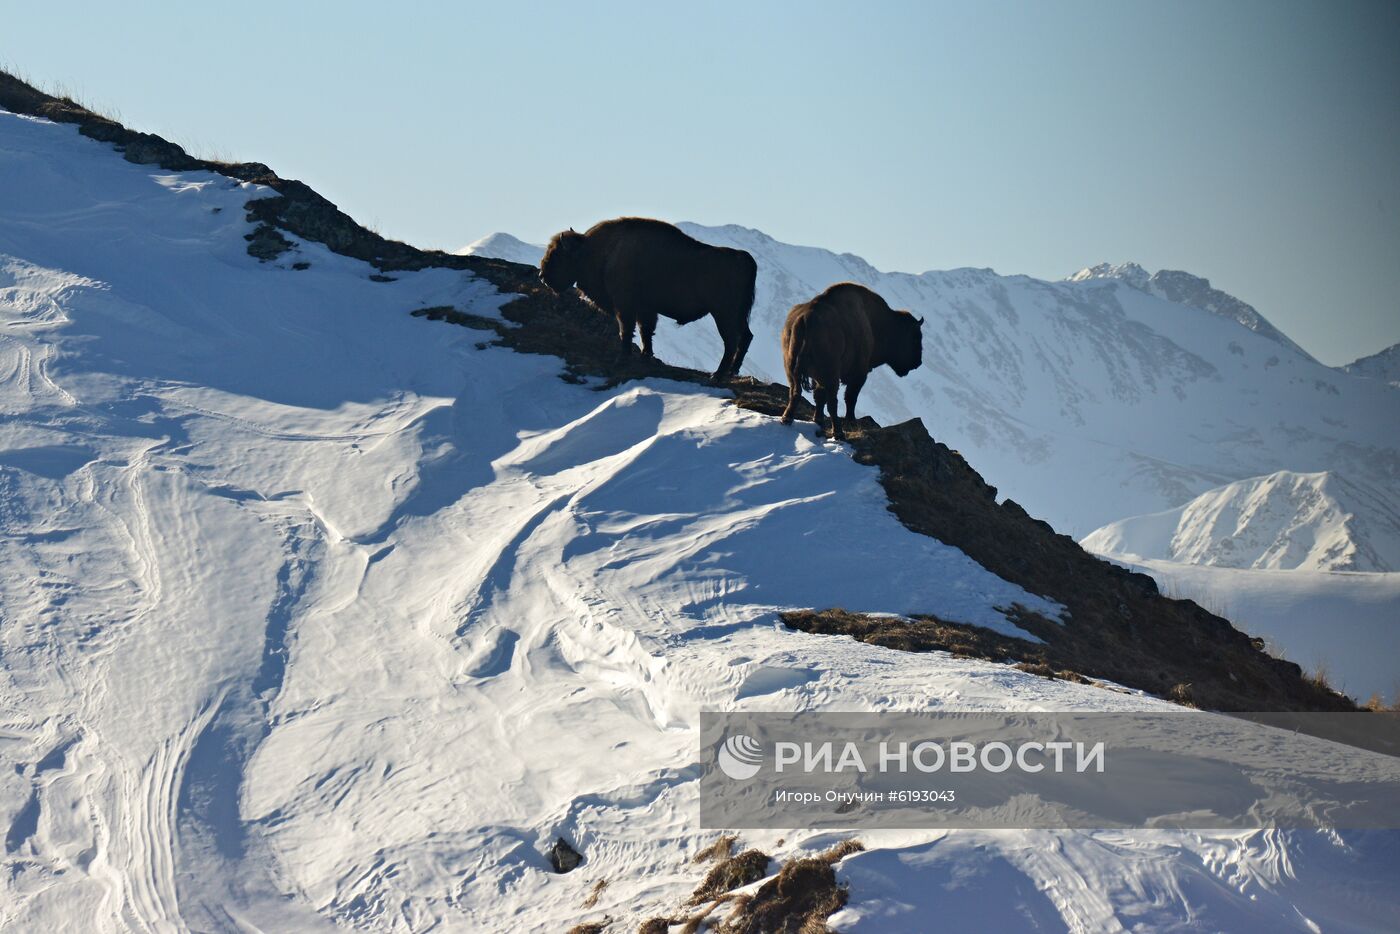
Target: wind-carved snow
x,y
1284,521
318,615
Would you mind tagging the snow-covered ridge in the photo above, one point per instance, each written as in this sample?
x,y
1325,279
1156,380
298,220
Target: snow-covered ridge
x,y
1283,521
1186,289
1383,366
1086,401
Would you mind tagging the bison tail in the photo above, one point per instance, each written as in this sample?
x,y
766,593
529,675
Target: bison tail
x,y
750,286
796,375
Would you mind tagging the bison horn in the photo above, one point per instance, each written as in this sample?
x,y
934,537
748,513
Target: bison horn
x,y
920,320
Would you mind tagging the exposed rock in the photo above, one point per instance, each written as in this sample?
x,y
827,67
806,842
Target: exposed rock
x,y
563,857
266,242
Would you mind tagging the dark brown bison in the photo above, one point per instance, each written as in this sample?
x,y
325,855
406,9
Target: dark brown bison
x,y
839,337
636,269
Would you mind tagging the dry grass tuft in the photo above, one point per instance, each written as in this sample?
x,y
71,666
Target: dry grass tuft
x,y
594,892
591,927
732,873
796,901
722,848
841,850
1321,677
1181,694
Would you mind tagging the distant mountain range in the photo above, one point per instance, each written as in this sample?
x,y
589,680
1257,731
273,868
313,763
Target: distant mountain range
x,y
1112,394
1284,521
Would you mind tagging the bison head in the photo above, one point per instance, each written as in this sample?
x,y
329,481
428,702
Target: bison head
x,y
906,352
560,267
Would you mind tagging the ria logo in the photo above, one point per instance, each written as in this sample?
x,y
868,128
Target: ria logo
x,y
740,757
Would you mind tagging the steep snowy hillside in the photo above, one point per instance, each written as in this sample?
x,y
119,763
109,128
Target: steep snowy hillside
x,y
1285,521
1086,401
1340,623
1383,366
317,615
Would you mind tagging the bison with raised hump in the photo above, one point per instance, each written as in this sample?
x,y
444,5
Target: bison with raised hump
x,y
839,337
637,269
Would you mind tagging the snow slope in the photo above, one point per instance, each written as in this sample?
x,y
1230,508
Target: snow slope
x,y
1086,401
1315,522
318,615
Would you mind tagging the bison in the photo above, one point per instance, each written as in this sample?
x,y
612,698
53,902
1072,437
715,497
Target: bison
x,y
636,269
839,337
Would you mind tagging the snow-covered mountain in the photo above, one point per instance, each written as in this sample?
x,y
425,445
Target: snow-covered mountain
x,y
1111,395
1383,366
504,246
1186,289
316,615
1283,521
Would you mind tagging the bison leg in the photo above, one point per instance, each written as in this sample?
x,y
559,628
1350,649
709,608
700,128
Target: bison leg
x,y
723,369
836,431
647,323
819,401
722,372
745,338
852,393
736,336
626,326
794,393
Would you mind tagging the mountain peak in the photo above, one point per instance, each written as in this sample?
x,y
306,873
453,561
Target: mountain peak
x,y
1131,273
1183,288
1384,366
500,245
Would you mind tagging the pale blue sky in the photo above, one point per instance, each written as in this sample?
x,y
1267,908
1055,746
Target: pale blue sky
x,y
1255,143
